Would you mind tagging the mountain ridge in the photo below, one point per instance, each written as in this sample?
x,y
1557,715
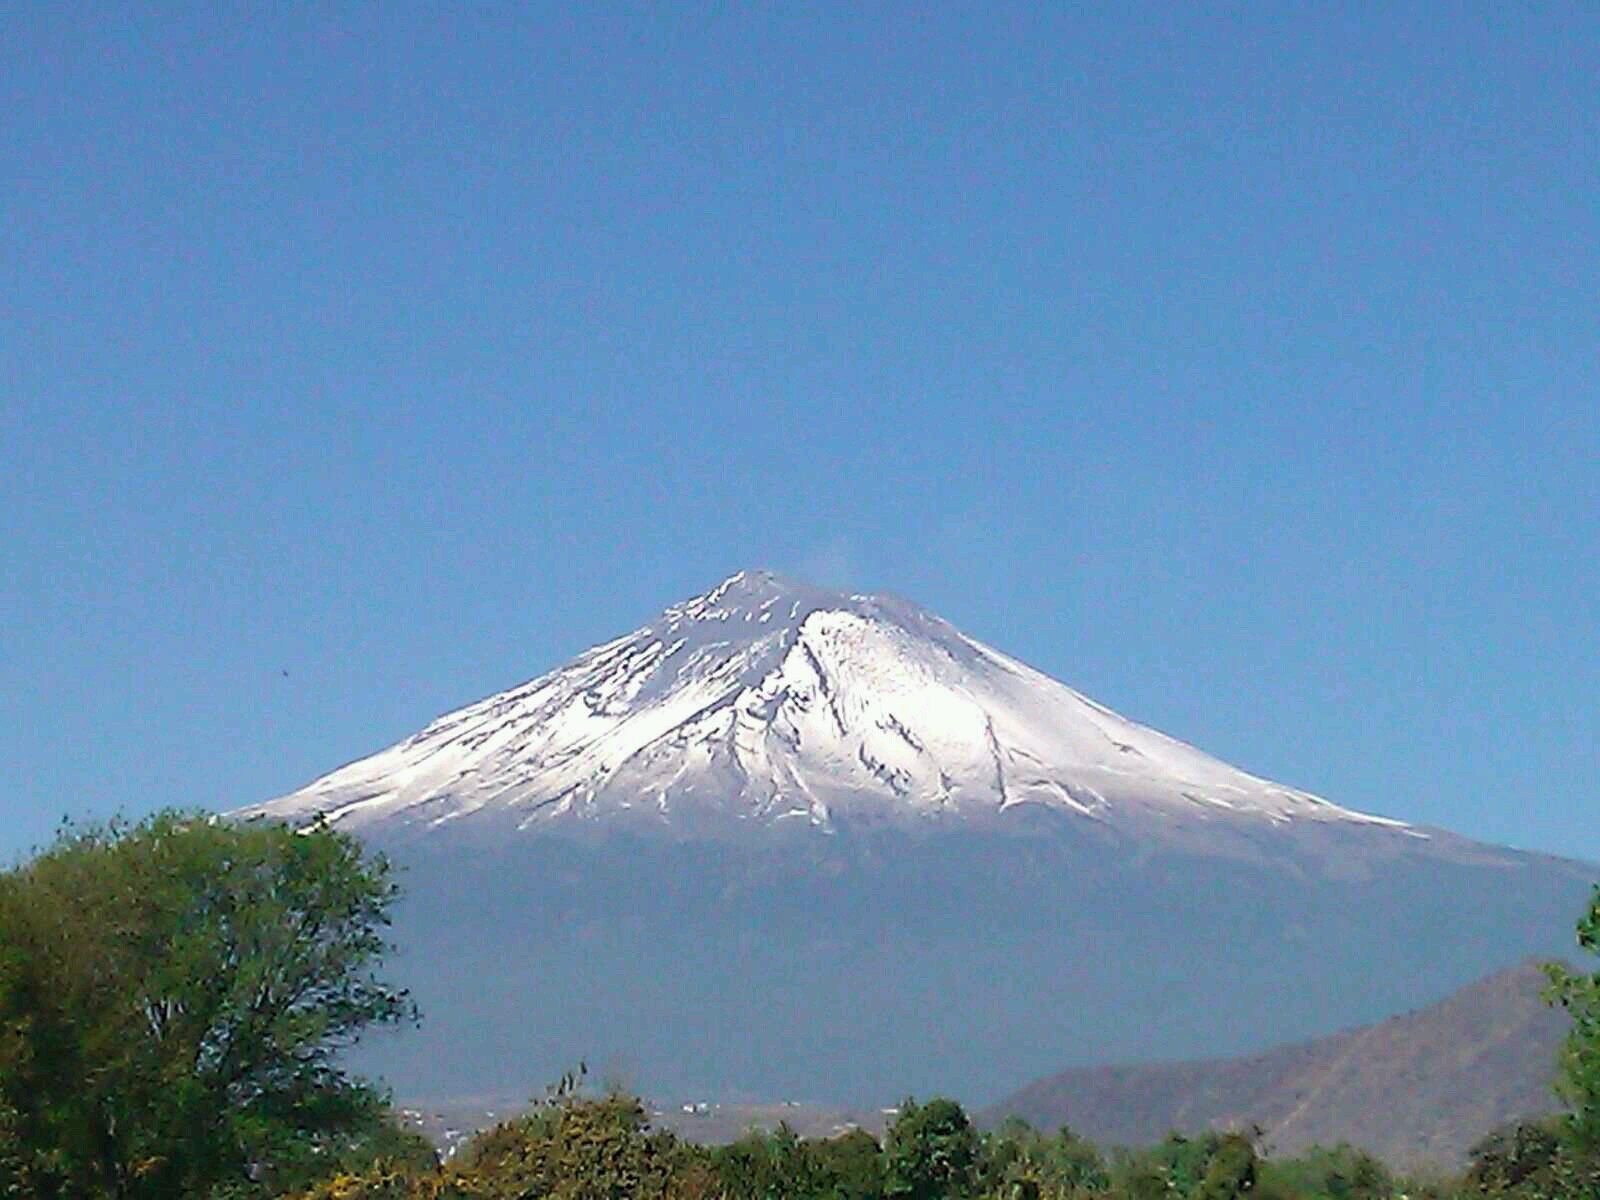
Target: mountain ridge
x,y
1418,1089
782,841
771,701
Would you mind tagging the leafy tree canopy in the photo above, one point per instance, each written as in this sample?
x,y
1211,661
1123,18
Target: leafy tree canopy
x,y
172,997
1231,1170
575,1148
1579,994
931,1151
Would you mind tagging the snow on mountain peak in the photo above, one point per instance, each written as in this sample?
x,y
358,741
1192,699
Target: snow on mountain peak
x,y
772,702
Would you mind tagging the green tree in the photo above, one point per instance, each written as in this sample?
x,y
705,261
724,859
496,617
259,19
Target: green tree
x,y
1579,994
576,1148
1519,1160
15,1177
931,1151
1178,1161
772,1165
1140,1178
173,994
1017,1160
1340,1172
1073,1162
1231,1172
1210,1164
853,1164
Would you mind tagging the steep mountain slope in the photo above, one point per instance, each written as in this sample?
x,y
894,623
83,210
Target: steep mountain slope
x,y
783,842
1418,1089
765,702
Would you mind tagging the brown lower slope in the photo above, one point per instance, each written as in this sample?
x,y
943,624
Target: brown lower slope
x,y
1418,1089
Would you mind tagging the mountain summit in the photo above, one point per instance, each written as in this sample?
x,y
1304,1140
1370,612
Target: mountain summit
x,y
783,841
766,702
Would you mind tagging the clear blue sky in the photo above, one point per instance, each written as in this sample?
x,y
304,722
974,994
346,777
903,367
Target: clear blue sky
x,y
1239,365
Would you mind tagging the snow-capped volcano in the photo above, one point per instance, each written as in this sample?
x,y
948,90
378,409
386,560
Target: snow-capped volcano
x,y
785,841
766,701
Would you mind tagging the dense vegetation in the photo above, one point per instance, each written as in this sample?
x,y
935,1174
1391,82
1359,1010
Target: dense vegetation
x,y
172,998
173,995
602,1148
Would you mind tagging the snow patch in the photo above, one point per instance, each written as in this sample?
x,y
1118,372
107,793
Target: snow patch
x,y
765,701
